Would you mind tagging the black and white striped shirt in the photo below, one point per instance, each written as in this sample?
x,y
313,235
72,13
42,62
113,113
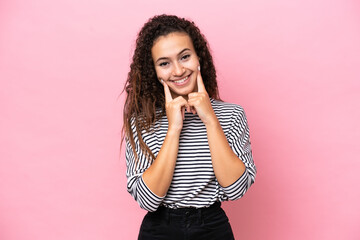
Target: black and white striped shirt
x,y
194,183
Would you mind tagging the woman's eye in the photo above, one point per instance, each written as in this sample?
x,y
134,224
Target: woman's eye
x,y
163,64
186,56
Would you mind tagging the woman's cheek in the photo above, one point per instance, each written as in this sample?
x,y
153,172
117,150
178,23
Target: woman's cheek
x,y
162,74
192,64
166,75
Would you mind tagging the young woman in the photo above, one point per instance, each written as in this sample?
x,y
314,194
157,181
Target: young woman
x,y
186,150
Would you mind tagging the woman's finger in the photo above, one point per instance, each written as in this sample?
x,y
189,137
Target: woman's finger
x,y
188,108
200,83
193,110
168,97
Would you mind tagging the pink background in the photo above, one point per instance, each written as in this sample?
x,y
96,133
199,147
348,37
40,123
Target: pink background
x,y
293,65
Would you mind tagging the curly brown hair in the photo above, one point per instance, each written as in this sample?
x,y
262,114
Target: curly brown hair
x,y
145,94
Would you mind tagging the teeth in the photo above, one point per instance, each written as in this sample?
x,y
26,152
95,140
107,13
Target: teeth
x,y
181,80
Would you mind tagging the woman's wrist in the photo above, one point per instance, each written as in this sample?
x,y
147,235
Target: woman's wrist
x,y
173,132
212,122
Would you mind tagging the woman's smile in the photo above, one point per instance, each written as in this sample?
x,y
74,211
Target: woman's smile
x,y
182,81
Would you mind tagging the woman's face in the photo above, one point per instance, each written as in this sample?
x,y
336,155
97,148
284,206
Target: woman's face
x,y
176,63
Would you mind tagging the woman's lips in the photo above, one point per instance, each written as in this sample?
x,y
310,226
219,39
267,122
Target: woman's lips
x,y
181,81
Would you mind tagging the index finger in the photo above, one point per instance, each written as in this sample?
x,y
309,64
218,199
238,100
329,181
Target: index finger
x,y
168,97
200,83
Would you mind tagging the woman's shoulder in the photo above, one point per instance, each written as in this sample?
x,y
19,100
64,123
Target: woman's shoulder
x,y
225,107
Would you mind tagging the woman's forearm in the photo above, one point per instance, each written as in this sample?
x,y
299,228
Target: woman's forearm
x,y
159,175
227,166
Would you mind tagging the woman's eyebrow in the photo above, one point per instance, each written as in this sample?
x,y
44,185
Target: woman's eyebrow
x,y
164,58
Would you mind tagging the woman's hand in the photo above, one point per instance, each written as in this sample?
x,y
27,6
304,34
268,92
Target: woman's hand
x,y
175,109
200,101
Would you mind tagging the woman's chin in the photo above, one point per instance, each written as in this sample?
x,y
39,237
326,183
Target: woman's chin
x,y
184,93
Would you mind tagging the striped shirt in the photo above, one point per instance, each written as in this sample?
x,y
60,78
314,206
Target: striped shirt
x,y
194,183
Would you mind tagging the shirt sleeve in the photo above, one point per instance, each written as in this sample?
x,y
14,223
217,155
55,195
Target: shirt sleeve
x,y
135,183
238,137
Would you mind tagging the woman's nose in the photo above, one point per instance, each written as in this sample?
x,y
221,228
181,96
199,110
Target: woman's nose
x,y
178,69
